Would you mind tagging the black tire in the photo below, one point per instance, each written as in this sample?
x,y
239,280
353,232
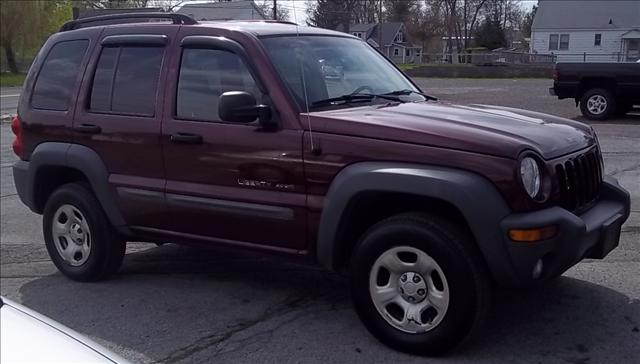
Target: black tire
x,y
464,269
608,109
107,247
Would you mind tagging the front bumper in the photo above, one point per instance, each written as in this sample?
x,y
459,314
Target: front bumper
x,y
591,234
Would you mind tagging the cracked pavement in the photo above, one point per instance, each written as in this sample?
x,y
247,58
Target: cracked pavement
x,y
173,304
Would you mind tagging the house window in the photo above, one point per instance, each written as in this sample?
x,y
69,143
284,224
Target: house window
x,y
558,42
396,51
564,42
598,40
553,42
358,34
399,38
407,52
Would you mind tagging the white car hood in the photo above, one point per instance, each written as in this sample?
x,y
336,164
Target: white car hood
x,y
28,337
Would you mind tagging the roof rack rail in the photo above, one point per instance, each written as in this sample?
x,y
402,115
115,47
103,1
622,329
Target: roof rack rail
x,y
177,19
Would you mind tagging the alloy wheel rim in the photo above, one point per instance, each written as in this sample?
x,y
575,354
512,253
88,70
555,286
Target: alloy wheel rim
x,y
71,235
409,289
597,104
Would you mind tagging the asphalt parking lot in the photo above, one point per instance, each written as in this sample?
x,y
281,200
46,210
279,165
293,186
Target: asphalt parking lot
x,y
175,304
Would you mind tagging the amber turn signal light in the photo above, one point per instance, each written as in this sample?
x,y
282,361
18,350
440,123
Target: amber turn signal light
x,y
529,235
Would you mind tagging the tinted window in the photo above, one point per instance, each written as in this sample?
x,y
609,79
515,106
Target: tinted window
x,y
126,80
57,78
204,75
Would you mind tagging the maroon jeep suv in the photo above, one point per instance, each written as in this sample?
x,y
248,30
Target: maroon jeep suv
x,y
304,142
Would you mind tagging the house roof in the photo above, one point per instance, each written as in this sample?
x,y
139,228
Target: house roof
x,y
226,10
587,14
389,31
632,34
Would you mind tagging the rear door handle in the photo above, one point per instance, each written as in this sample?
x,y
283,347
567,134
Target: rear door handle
x,y
186,138
88,129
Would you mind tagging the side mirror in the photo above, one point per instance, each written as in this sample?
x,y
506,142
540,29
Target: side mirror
x,y
241,107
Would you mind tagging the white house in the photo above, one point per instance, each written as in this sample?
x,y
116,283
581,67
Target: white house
x,y
587,30
395,39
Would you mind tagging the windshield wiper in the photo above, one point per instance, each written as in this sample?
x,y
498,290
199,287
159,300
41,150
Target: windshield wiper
x,y
356,97
408,92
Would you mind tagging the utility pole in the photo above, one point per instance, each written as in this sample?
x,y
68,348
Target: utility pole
x,y
380,28
275,10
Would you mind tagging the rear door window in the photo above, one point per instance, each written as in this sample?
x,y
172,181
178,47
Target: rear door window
x,y
126,80
58,76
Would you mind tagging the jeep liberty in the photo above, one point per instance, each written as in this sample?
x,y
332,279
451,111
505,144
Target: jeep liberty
x,y
309,143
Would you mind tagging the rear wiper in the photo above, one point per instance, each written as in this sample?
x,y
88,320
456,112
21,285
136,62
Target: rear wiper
x,y
357,97
408,92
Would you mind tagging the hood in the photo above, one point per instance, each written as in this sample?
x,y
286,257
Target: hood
x,y
495,130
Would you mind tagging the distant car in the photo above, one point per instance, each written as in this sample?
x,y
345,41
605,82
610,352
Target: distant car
x,y
28,337
601,89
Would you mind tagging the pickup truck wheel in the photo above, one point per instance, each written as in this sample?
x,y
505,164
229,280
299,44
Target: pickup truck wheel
x,y
419,283
79,238
597,104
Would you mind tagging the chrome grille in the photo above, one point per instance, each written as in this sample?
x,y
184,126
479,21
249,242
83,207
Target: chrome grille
x,y
579,179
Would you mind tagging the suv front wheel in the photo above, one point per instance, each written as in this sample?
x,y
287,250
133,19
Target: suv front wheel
x,y
79,238
419,284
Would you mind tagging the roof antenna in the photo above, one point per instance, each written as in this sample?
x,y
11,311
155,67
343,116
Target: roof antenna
x,y
314,150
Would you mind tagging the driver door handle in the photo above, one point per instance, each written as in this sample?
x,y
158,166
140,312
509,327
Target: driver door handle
x,y
186,138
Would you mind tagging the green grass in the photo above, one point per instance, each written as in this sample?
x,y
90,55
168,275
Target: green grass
x,y
406,66
11,79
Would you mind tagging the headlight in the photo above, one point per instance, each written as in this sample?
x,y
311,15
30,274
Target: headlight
x,y
530,176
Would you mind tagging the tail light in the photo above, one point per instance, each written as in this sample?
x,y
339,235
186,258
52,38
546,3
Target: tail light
x,y
555,74
16,128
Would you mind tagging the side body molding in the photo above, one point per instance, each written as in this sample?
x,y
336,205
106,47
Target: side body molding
x,y
473,195
83,159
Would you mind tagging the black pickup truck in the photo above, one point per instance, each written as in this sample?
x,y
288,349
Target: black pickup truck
x,y
601,89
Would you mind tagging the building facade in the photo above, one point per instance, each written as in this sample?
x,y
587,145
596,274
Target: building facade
x,y
587,31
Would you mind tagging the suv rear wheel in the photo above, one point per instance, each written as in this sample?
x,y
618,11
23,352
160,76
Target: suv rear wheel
x,y
597,104
79,238
419,284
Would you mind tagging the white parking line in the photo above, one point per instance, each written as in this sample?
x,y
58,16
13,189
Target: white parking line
x,y
12,95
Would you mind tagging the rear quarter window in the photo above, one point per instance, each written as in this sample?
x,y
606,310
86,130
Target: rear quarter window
x,y
58,75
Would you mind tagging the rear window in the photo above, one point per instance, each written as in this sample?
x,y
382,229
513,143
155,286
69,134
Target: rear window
x,y
57,78
126,80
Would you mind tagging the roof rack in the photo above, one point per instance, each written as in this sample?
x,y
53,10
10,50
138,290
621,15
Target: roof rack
x,y
177,19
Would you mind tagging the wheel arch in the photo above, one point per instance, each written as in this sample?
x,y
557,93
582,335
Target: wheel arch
x,y
462,196
590,82
53,164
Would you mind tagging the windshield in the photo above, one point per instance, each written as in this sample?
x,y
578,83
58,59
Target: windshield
x,y
334,67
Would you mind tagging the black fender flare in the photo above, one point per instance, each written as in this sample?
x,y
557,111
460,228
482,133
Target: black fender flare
x,y
87,162
473,195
